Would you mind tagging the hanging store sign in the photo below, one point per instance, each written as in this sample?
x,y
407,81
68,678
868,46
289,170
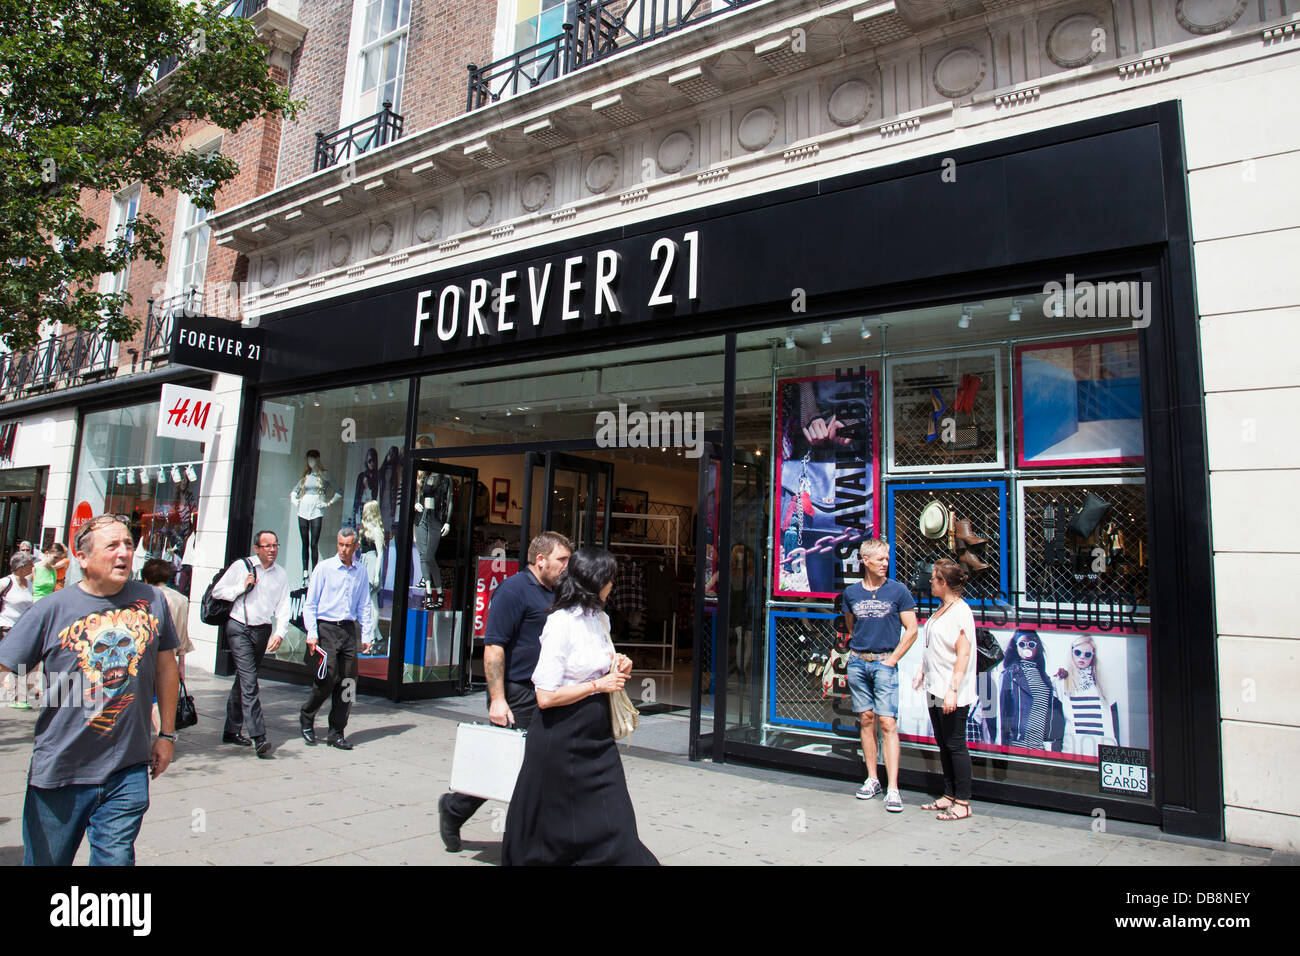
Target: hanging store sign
x,y
217,345
190,414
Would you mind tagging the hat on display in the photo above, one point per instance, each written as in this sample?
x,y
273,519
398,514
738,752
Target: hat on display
x,y
934,520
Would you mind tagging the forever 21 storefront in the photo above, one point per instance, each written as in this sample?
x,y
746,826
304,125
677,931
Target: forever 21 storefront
x,y
1001,369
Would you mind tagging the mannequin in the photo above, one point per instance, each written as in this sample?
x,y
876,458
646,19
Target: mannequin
x,y
390,488
314,493
184,510
371,528
433,503
367,486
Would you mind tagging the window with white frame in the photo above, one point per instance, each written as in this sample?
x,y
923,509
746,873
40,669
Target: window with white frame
x,y
381,59
121,225
189,258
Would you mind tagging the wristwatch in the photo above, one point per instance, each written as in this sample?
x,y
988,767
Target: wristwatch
x,y
166,736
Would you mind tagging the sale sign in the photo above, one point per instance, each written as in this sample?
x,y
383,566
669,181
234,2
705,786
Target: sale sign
x,y
491,572
190,414
275,428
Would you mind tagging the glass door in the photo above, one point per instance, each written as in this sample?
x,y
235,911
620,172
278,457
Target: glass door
x,y
435,600
568,494
15,518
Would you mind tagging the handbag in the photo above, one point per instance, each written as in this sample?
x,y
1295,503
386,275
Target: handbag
x,y
486,761
186,714
1090,515
623,715
988,652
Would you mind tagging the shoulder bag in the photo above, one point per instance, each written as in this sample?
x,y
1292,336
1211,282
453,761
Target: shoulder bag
x,y
623,715
988,653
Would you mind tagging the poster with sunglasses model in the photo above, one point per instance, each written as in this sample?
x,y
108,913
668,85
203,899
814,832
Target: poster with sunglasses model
x,y
1098,695
827,480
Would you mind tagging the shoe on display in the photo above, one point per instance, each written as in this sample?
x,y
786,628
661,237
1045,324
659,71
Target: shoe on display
x,y
448,828
262,746
894,801
239,740
869,789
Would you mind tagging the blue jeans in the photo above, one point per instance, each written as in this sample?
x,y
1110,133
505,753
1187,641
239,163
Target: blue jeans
x,y
873,686
109,813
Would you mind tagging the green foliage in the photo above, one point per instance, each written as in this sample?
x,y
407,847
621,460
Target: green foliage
x,y
81,114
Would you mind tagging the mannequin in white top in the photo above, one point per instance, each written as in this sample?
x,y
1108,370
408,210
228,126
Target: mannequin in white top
x,y
314,492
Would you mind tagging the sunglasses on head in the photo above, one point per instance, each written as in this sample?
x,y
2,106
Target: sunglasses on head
x,y
1027,645
1079,653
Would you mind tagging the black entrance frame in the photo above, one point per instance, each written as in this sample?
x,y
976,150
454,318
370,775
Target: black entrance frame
x,y
1103,198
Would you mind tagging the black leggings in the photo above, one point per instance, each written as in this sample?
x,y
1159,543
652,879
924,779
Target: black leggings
x,y
309,532
950,734
428,536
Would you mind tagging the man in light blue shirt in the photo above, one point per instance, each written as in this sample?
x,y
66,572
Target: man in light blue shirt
x,y
337,612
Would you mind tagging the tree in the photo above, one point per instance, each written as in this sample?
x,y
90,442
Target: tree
x,y
85,111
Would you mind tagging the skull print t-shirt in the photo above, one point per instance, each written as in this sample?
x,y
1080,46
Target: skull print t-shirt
x,y
99,656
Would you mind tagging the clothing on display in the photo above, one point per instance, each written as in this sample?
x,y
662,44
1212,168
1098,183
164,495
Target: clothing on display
x,y
367,487
314,492
433,509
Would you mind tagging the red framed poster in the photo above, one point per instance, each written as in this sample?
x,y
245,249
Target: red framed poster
x,y
827,486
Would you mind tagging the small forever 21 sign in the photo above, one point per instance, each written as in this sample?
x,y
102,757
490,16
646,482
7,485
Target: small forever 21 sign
x,y
218,345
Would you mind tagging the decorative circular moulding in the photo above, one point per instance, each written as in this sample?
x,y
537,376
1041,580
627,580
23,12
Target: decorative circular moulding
x,y
479,208
536,190
340,250
675,152
381,237
428,224
601,173
757,128
1208,16
302,262
849,103
959,72
1070,43
270,271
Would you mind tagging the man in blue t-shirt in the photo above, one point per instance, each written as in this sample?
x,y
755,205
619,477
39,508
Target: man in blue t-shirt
x,y
511,644
877,611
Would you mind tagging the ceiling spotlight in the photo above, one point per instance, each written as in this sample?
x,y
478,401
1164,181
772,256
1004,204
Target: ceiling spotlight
x,y
758,452
964,321
162,474
190,473
508,413
301,401
866,332
789,339
315,399
826,334
390,391
373,396
176,473
356,396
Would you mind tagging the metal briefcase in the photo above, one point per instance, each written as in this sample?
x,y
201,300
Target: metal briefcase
x,y
487,761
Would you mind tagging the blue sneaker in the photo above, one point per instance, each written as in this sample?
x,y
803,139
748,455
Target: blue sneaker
x,y
869,789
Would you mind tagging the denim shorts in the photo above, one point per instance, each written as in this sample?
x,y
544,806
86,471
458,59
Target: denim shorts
x,y
873,686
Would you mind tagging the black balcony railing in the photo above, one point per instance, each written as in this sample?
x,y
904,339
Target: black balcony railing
x,y
58,362
161,317
361,137
601,29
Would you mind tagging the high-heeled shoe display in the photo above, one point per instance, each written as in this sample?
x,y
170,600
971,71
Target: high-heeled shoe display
x,y
938,407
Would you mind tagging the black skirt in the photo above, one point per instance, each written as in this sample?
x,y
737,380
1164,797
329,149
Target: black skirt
x,y
571,806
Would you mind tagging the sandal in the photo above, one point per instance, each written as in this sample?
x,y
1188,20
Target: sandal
x,y
951,814
936,805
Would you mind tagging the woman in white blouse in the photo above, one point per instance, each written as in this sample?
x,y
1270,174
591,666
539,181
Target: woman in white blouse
x,y
948,675
571,804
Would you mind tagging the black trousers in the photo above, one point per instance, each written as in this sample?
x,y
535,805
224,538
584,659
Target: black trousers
x,y
340,641
954,756
247,648
522,699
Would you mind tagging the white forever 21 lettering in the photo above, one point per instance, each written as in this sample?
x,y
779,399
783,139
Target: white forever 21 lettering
x,y
456,309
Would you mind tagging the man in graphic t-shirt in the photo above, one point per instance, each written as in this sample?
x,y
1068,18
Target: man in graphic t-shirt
x,y
876,612
107,645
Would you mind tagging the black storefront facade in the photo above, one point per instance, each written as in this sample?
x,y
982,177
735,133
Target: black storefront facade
x,y
876,288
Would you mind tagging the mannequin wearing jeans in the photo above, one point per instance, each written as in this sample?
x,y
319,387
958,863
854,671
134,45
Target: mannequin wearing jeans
x,y
314,493
372,545
432,508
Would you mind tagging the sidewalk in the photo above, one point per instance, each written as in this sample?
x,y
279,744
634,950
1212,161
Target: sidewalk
x,y
219,804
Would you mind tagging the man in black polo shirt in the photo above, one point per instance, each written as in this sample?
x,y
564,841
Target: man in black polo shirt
x,y
511,646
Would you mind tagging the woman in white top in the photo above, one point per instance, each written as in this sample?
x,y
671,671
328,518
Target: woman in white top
x,y
571,804
17,594
948,675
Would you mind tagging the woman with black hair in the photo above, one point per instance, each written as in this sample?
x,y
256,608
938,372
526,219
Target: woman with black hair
x,y
1032,716
571,805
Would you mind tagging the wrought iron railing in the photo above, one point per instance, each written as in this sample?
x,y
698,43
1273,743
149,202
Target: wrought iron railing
x,y
361,137
58,362
158,324
601,29
239,8
525,69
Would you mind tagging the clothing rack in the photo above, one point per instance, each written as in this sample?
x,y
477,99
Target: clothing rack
x,y
667,647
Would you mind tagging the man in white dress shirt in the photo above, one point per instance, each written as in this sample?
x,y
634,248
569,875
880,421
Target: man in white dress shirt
x,y
337,611
261,597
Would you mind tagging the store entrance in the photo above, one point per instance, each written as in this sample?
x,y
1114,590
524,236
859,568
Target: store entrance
x,y
17,517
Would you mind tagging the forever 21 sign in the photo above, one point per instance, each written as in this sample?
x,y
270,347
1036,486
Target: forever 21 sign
x,y
484,307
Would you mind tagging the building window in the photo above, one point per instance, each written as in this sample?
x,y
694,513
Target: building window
x,y
190,246
382,56
121,225
540,20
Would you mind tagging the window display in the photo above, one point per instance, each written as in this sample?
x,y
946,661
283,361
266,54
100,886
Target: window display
x,y
946,412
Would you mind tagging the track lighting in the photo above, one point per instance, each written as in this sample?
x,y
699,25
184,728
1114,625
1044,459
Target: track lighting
x,y
162,474
373,396
866,332
390,391
144,477
356,396
190,473
1014,315
826,334
315,399
176,474
789,339
964,321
